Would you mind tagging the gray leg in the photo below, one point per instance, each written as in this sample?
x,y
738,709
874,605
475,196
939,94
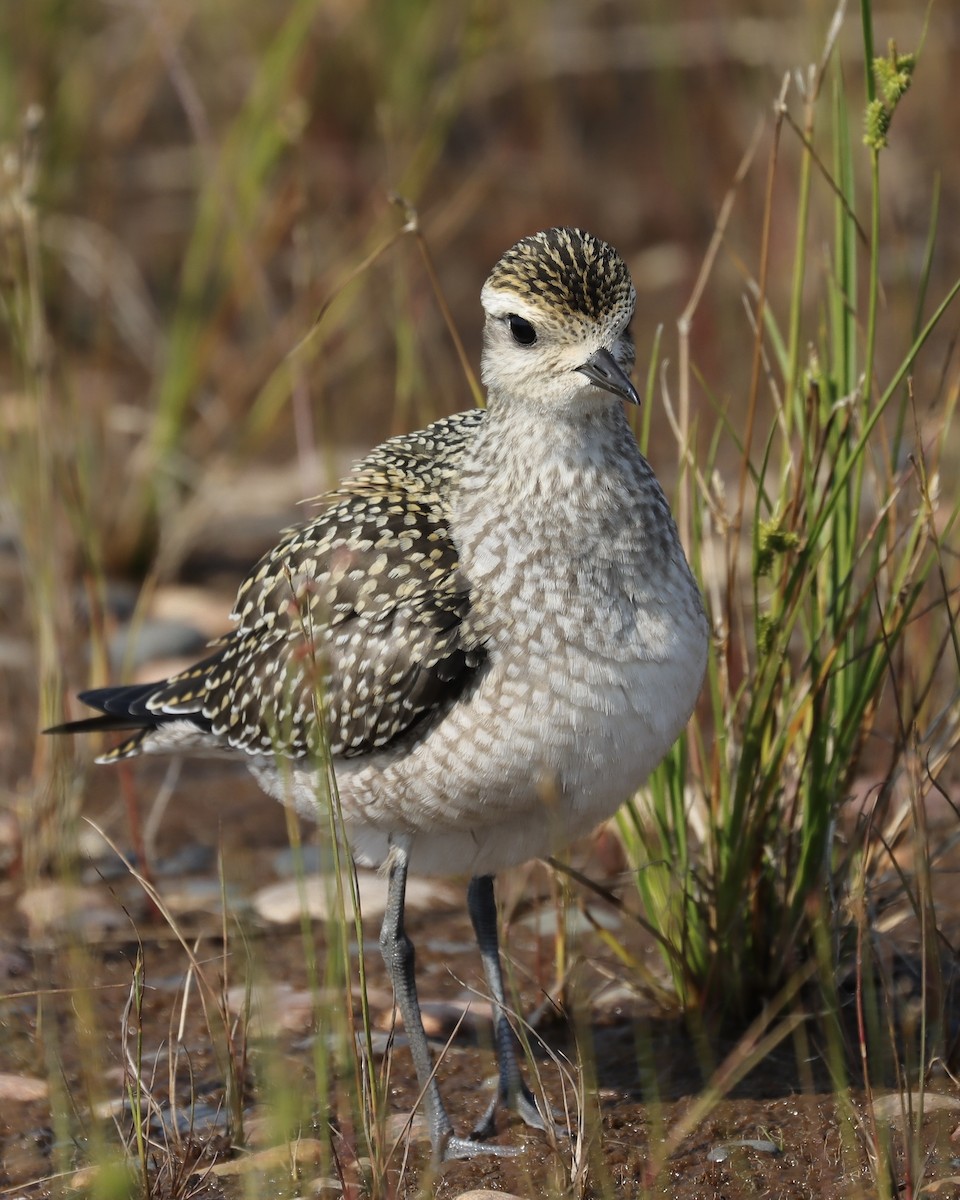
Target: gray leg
x,y
398,954
511,1090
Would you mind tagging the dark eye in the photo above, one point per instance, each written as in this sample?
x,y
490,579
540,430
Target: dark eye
x,y
523,332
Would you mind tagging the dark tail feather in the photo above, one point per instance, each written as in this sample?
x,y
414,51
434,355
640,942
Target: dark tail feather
x,y
122,707
101,724
125,709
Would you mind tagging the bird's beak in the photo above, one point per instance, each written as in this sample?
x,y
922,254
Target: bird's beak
x,y
603,370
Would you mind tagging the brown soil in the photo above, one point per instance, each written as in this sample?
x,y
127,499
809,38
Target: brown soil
x,y
783,1131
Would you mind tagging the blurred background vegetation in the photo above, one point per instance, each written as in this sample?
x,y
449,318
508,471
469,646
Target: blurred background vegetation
x,y
209,174
189,186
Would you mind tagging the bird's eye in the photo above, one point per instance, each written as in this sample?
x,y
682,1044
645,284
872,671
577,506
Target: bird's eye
x,y
523,332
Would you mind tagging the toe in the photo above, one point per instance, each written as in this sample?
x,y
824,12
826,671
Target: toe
x,y
530,1111
456,1147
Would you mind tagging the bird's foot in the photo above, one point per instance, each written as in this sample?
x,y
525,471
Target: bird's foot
x,y
457,1147
448,1146
522,1102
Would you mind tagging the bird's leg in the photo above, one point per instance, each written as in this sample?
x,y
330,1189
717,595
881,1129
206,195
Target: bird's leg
x,y
398,954
512,1091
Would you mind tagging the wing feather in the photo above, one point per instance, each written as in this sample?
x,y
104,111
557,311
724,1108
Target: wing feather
x,y
357,616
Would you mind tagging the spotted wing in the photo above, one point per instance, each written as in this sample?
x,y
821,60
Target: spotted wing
x,y
356,618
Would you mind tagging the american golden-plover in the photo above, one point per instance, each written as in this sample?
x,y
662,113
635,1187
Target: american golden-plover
x,y
491,628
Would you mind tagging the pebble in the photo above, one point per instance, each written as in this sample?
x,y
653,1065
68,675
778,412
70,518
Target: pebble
x,y
104,863
198,895
411,1129
381,1041
544,920
615,997
191,859
87,912
441,1018
292,1156
22,1089
722,1153
893,1105
274,1008
488,1194
177,628
117,1107
118,1178
284,903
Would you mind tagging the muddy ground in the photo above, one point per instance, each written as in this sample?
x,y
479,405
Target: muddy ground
x,y
782,1131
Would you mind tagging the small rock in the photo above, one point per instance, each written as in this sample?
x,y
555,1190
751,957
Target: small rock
x,y
197,1119
294,1156
284,903
119,1106
488,1194
441,1018
408,1127
893,1105
105,864
197,895
950,1183
377,997
275,1008
381,1040
85,1178
761,1146
59,908
22,1089
544,920
614,997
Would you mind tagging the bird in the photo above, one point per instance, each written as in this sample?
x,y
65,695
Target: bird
x,y
490,631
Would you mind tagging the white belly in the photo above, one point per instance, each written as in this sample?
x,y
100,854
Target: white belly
x,y
521,766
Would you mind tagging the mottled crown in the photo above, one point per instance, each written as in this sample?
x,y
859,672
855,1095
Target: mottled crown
x,y
567,268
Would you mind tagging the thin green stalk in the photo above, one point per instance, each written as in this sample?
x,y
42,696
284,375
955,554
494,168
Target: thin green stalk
x,y
217,252
873,286
133,1071
792,400
866,30
859,447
